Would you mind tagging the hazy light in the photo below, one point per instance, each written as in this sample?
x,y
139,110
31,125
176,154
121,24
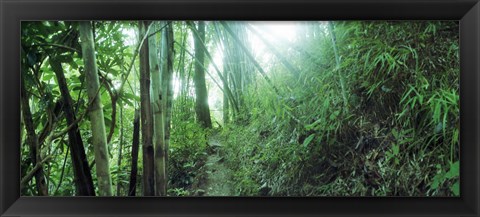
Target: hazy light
x,y
176,86
131,36
273,32
277,29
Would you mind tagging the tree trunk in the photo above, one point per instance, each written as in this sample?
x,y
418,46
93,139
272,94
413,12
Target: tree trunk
x,y
169,90
135,145
146,119
83,177
99,138
225,96
42,187
221,87
119,162
201,105
158,103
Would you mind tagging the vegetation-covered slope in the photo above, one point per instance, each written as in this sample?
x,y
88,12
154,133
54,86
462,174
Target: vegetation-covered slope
x,y
350,108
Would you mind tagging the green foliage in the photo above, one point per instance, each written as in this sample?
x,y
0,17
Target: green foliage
x,y
187,154
291,133
443,177
392,154
178,192
402,116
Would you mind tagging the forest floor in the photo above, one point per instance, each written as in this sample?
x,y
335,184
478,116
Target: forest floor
x,y
218,174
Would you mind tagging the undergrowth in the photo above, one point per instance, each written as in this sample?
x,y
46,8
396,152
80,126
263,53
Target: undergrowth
x,y
398,134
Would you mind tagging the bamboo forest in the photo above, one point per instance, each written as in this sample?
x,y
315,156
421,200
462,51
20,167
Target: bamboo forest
x,y
240,108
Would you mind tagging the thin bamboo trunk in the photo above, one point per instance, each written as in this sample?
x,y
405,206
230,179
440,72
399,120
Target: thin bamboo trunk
x,y
225,96
169,90
135,146
157,67
99,138
201,104
119,162
146,117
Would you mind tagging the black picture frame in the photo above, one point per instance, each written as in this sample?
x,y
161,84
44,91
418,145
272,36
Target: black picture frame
x,y
14,11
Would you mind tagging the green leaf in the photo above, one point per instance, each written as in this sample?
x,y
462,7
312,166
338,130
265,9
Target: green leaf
x,y
455,188
454,170
334,115
76,88
47,76
312,125
131,96
126,101
308,140
73,64
434,184
437,180
395,133
107,106
395,149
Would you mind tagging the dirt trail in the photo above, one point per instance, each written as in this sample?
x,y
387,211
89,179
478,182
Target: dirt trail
x,y
219,177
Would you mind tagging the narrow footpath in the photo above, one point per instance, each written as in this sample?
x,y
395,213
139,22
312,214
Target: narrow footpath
x,y
219,177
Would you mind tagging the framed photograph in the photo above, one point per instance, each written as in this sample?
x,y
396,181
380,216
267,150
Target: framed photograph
x,y
248,108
